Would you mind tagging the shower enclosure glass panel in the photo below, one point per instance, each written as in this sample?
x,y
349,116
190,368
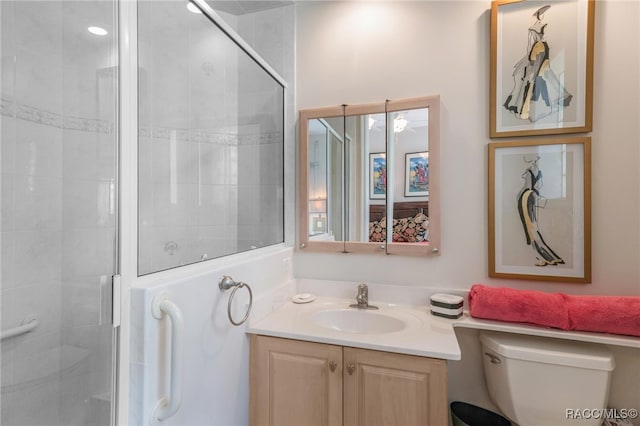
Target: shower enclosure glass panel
x,y
210,142
58,224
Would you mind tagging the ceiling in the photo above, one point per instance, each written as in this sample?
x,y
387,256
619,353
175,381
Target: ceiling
x,y
241,7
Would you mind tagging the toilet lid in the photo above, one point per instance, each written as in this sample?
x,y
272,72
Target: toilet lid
x,y
550,350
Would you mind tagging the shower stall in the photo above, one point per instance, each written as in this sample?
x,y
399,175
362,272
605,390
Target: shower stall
x,y
59,211
202,126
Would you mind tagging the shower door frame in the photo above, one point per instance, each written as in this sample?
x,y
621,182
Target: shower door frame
x,y
128,194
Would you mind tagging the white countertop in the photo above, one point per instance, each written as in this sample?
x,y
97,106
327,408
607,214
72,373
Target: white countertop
x,y
517,328
423,335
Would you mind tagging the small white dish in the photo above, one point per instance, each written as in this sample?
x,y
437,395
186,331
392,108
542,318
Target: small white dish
x,y
303,298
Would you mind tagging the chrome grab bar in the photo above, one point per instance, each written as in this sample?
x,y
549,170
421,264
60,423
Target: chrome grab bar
x,y
226,282
168,406
27,325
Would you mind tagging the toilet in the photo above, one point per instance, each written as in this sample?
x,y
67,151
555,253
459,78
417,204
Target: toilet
x,y
539,381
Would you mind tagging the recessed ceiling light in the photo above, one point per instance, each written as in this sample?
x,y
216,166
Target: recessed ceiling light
x,y
97,31
193,8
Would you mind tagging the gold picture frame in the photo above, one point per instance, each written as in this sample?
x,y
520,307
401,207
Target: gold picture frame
x,y
540,209
541,67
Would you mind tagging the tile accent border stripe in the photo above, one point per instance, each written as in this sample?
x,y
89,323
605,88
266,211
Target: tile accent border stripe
x,y
95,125
48,118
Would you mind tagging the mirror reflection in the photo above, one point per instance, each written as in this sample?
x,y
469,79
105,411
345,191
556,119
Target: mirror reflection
x,y
326,178
408,150
364,165
366,175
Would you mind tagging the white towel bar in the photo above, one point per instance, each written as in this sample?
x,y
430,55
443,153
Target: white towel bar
x,y
26,325
168,406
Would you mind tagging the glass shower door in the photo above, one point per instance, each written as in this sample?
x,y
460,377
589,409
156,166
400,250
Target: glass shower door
x,y
211,145
58,224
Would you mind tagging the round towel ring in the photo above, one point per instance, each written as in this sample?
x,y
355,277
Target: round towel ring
x,y
226,282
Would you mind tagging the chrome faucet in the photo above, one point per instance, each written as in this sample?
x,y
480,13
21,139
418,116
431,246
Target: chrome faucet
x,y
362,298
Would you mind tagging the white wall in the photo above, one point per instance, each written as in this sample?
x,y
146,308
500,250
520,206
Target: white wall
x,y
355,52
215,364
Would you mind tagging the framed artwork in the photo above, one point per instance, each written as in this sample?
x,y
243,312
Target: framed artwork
x,y
541,67
540,209
318,223
416,174
377,176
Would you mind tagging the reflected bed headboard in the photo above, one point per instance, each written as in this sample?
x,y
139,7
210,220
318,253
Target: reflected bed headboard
x,y
401,210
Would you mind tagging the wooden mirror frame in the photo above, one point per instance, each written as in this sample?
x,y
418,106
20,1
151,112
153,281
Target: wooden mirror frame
x,y
433,247
434,244
303,180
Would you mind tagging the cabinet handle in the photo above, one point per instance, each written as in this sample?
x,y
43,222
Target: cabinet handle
x,y
332,366
351,368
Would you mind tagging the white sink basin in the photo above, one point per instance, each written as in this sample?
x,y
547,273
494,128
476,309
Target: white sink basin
x,y
358,321
397,328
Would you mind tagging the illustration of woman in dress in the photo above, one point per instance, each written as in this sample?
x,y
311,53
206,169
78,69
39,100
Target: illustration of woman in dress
x,y
534,79
529,200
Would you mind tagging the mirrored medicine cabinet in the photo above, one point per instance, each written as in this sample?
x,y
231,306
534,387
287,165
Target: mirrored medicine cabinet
x,y
360,165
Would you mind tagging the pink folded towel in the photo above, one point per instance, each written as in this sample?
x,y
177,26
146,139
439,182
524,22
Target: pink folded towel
x,y
604,314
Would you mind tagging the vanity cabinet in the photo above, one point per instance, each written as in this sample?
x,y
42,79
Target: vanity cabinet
x,y
299,383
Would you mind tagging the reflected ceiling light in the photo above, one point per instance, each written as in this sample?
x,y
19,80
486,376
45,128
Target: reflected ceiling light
x,y
97,31
399,124
193,8
372,122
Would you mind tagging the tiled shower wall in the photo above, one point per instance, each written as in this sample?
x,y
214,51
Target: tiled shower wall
x,y
58,209
271,34
211,153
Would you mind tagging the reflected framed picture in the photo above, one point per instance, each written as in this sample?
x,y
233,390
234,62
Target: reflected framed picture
x,y
541,67
318,223
416,174
377,176
540,209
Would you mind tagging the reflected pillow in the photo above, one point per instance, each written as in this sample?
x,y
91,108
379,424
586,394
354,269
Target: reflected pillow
x,y
378,230
406,230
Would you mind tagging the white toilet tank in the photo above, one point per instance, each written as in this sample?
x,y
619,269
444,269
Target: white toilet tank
x,y
537,381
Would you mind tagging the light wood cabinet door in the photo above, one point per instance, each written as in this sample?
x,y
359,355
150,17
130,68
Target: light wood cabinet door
x,y
294,383
389,389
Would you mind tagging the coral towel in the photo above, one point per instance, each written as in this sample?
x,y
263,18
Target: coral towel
x,y
604,314
526,306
